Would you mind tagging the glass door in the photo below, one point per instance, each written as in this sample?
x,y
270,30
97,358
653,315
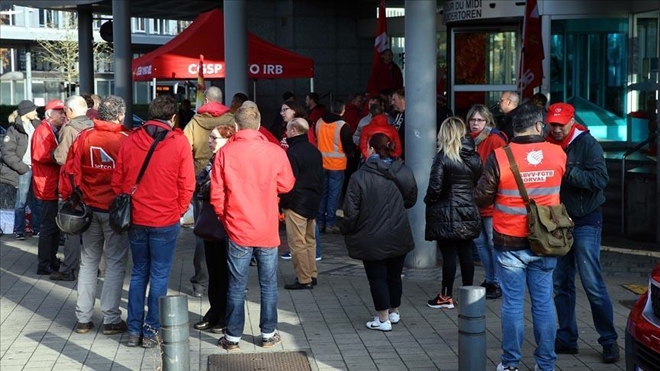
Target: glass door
x,y
484,63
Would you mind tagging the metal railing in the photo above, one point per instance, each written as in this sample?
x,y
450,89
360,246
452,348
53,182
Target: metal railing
x,y
629,152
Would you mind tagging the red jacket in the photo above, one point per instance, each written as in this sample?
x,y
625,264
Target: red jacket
x,y
379,124
385,77
484,149
167,186
248,174
45,171
91,162
316,113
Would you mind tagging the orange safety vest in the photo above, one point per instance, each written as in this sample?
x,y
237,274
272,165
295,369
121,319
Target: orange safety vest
x,y
329,143
541,166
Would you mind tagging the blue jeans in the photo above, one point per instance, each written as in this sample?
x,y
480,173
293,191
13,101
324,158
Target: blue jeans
x,y
333,181
152,249
485,246
25,196
238,259
518,269
585,256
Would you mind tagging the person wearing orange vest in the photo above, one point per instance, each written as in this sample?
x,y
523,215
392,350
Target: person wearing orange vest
x,y
582,193
335,143
542,166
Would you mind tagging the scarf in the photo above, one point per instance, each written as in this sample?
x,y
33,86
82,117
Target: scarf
x,y
569,137
481,136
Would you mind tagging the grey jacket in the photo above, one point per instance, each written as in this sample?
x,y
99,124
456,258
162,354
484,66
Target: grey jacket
x,y
14,145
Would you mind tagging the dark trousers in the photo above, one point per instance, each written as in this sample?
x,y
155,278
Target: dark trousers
x,y
216,262
385,281
49,236
449,250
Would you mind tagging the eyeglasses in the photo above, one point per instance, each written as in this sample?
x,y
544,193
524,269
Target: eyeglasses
x,y
285,109
477,120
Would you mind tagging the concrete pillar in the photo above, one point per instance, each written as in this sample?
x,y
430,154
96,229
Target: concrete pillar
x,y
420,117
85,49
28,73
236,48
121,31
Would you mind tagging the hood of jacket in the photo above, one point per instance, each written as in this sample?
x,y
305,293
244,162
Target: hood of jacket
x,y
387,169
146,134
214,109
379,120
331,117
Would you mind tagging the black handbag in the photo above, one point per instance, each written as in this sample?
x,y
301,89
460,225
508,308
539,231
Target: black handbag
x,y
207,226
121,207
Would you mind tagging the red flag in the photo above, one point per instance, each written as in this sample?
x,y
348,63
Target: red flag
x,y
380,43
531,57
201,87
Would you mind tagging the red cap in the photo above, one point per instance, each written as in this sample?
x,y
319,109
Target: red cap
x,y
54,104
560,113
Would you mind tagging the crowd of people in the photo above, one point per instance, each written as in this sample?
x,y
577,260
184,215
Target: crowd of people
x,y
317,157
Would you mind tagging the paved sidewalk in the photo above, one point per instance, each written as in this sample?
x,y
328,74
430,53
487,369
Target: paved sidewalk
x,y
37,318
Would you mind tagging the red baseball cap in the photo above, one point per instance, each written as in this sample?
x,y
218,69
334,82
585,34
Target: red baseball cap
x,y
560,113
54,104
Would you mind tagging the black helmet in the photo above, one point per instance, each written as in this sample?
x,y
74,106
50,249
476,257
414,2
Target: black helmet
x,y
74,217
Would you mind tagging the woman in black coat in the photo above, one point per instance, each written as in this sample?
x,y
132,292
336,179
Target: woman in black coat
x,y
376,228
452,218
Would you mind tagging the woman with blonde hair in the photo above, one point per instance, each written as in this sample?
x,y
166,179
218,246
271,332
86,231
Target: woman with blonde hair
x,y
481,126
452,218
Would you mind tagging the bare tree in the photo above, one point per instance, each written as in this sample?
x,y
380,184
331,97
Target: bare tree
x,y
63,54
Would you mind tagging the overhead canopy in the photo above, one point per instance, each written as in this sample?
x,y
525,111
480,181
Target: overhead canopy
x,y
179,58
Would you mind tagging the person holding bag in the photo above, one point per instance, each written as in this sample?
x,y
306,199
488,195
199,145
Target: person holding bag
x,y
541,166
157,202
209,228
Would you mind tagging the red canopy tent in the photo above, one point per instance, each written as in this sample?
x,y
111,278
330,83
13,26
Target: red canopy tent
x,y
179,58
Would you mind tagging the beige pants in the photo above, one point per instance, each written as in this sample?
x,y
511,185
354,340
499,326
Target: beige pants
x,y
302,245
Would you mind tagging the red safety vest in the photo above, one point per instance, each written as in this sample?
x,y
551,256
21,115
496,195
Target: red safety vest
x,y
542,166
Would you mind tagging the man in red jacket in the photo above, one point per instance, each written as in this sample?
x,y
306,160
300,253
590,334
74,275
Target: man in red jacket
x,y
158,202
379,124
91,162
45,175
248,174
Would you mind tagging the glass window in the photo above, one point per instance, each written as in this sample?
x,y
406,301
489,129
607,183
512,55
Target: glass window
x,y
485,58
7,16
155,26
5,93
139,25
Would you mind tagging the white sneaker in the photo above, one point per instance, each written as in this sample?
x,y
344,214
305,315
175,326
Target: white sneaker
x,y
394,317
500,367
376,324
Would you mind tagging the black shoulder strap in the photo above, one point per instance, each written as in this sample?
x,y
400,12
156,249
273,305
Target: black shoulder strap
x,y
516,175
158,138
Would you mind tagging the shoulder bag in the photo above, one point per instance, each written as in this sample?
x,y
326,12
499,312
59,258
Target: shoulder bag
x,y
550,227
121,208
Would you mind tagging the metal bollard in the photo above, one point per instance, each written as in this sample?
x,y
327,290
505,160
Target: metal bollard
x,y
174,332
472,328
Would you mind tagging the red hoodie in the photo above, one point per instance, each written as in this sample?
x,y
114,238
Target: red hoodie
x,y
379,124
167,186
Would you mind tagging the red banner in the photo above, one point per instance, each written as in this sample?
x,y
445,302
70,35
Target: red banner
x,y
531,58
380,43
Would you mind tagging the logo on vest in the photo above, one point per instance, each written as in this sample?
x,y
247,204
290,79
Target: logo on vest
x,y
535,157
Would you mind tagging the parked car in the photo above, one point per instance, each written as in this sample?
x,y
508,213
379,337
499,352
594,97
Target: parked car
x,y
643,329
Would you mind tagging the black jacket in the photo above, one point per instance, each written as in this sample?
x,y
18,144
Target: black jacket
x,y
14,145
376,224
307,165
450,209
586,176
